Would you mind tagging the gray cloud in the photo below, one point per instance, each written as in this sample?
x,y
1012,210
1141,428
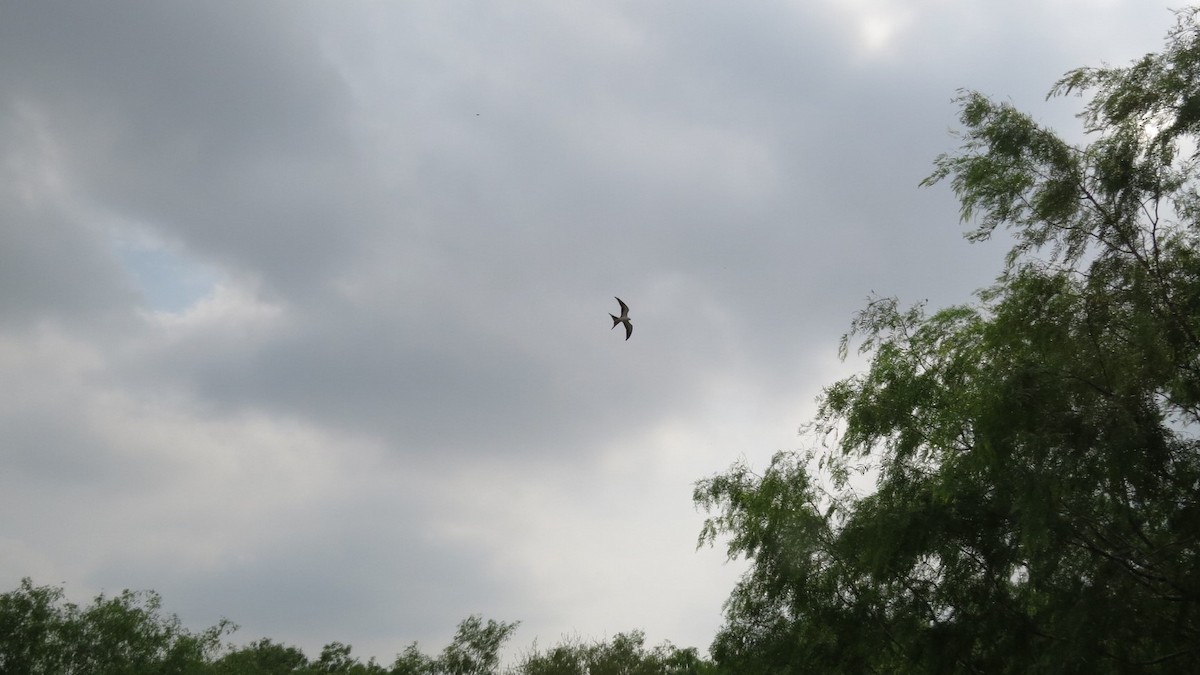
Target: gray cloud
x,y
401,402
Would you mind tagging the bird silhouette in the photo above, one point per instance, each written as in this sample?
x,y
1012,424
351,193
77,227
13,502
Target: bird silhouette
x,y
624,318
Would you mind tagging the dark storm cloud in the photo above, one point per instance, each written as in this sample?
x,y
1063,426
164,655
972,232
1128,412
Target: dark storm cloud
x,y
48,266
215,123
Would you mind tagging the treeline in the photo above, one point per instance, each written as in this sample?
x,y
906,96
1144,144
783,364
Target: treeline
x,y
41,633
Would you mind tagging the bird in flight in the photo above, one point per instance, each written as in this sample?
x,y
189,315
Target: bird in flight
x,y
624,318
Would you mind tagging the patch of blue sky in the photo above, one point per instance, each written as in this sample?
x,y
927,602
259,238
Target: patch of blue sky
x,y
168,280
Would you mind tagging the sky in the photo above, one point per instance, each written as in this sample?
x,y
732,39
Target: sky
x,y
304,306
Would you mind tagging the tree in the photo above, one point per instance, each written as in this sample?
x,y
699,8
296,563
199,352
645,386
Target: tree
x,y
475,649
413,662
1036,507
125,634
263,657
31,626
625,654
335,658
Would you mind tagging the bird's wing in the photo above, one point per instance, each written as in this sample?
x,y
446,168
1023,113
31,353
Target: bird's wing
x,y
624,307
628,328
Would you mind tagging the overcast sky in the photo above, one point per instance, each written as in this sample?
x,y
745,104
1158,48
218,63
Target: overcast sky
x,y
304,306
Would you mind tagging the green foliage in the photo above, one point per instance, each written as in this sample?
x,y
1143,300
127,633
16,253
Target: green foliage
x,y
626,654
335,658
476,647
1038,463
475,650
42,634
263,657
125,634
413,662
